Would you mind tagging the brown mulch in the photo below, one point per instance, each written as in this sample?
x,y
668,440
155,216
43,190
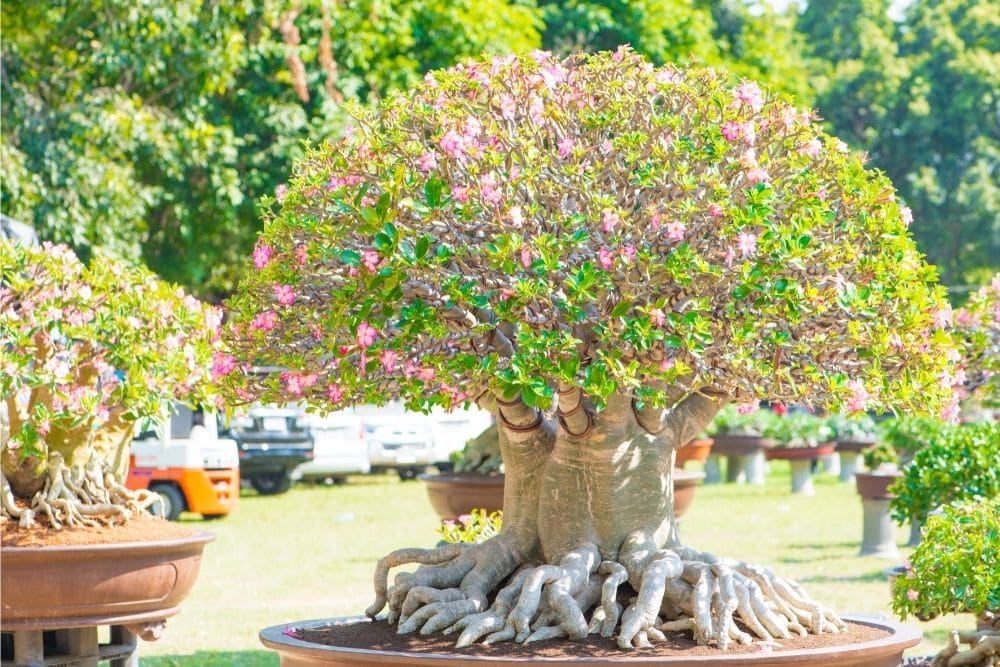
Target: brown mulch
x,y
142,528
379,635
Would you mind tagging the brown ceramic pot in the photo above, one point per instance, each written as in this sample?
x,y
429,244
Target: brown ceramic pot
x,y
456,494
875,484
885,652
452,496
855,445
97,584
685,483
740,445
789,453
696,450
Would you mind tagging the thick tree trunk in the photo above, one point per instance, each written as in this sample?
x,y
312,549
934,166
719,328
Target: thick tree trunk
x,y
587,509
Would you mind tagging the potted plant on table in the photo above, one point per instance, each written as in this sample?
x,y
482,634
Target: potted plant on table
x,y
477,480
853,437
630,246
954,570
801,439
742,434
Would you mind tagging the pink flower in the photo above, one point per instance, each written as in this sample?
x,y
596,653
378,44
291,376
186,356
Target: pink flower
x,y
609,220
859,396
280,192
264,321
508,107
526,257
654,221
629,253
942,317
658,317
285,294
749,133
606,146
428,161
730,256
453,144
715,211
758,175
912,595
301,255
675,231
366,335
222,365
750,94
388,359
489,187
565,146
426,374
811,148
951,412
370,259
262,255
906,215
731,130
460,194
606,258
747,244
43,427
748,407
334,392
516,216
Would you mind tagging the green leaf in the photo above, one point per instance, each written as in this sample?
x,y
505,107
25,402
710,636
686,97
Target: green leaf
x,y
432,192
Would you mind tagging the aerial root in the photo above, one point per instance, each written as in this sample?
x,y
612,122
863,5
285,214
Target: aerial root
x,y
77,496
983,651
721,601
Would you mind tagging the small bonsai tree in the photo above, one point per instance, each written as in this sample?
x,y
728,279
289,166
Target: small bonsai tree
x,y
633,246
87,351
746,420
861,428
961,464
954,570
800,429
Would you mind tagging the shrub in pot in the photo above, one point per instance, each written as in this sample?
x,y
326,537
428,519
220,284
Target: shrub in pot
x,y
88,352
740,433
954,570
853,436
977,327
630,246
801,439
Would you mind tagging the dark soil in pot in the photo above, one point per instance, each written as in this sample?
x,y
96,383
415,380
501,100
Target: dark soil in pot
x,y
143,528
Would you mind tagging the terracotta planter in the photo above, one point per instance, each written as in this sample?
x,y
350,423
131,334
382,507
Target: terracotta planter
x,y
745,455
457,494
875,485
878,537
100,584
801,459
855,445
685,483
454,495
696,450
885,652
740,445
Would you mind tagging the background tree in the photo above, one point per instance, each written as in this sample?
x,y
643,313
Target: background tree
x,y
632,246
151,131
921,98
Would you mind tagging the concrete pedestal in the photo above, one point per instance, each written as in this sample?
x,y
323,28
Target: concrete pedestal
x,y
850,463
802,482
831,464
713,469
736,472
76,647
755,467
879,533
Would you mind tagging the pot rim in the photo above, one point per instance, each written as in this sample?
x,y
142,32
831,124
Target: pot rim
x,y
199,537
903,637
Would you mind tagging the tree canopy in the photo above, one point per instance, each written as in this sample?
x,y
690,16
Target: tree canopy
x,y
530,222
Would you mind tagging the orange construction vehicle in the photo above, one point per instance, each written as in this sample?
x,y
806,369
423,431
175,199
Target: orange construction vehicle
x,y
188,465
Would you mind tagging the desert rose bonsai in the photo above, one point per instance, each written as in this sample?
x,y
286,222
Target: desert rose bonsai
x,y
85,352
635,245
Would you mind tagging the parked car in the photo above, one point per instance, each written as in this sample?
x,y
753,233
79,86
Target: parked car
x,y
273,442
340,448
451,430
397,439
187,464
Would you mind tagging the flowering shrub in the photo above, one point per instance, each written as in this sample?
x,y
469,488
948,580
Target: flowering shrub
x,y
977,326
87,349
954,569
843,427
743,420
473,528
961,464
800,429
594,221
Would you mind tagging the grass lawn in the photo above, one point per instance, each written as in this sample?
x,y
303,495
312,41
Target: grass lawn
x,y
310,554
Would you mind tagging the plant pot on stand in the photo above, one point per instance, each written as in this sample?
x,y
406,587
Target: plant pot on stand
x,y
745,458
801,459
849,451
56,597
879,532
697,450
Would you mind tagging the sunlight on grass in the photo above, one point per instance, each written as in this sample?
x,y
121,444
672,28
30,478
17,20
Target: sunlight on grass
x,y
310,553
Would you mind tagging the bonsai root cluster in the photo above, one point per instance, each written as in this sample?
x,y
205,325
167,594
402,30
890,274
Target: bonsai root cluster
x,y
584,515
76,496
983,651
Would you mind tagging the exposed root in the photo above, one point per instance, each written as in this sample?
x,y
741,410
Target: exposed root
x,y
984,650
77,496
720,601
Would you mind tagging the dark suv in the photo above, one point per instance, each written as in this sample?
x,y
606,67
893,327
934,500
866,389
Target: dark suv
x,y
272,443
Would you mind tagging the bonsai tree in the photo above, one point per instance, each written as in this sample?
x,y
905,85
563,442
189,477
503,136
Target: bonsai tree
x,y
977,326
908,434
743,420
953,570
87,351
959,465
800,429
633,246
480,454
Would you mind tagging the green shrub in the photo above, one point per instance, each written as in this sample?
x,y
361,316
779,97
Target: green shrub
x,y
473,528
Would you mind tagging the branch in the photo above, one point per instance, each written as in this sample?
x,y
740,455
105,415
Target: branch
x,y
694,413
